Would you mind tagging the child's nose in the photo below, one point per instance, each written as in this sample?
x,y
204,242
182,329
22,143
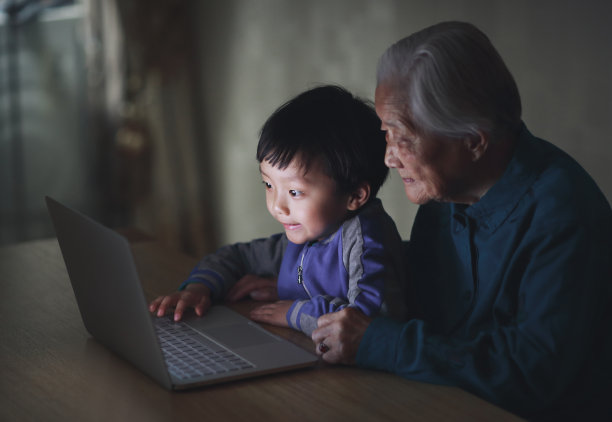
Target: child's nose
x,y
280,205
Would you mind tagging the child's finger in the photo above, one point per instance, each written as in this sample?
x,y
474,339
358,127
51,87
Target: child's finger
x,y
179,310
265,294
247,285
155,303
203,306
165,303
240,289
237,292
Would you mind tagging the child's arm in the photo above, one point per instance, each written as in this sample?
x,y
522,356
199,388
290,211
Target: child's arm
x,y
216,273
222,270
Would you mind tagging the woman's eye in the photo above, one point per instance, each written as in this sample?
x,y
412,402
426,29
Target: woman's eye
x,y
407,143
295,193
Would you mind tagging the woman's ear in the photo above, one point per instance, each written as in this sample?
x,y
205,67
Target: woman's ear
x,y
477,145
359,197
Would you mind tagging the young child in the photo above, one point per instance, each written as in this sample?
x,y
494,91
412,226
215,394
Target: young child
x,y
321,159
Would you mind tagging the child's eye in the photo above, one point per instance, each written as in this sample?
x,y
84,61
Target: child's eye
x,y
267,185
295,193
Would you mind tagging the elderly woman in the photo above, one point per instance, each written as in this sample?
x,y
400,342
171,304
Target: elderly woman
x,y
510,255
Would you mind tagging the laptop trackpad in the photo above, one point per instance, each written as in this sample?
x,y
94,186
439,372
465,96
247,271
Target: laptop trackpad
x,y
240,335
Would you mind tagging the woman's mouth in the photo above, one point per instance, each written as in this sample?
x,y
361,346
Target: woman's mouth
x,y
408,180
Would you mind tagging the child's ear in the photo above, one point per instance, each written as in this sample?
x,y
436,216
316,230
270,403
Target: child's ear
x,y
359,197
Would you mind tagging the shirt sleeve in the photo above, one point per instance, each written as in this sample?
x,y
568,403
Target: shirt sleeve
x,y
524,363
220,270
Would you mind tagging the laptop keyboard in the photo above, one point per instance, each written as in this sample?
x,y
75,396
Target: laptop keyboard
x,y
190,356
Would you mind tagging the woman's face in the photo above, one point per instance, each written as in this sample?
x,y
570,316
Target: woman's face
x,y
432,168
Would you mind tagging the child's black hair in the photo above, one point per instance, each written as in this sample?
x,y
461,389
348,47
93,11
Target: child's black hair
x,y
328,123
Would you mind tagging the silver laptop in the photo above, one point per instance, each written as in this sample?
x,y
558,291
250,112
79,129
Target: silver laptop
x,y
221,346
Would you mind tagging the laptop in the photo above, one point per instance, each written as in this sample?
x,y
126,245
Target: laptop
x,y
221,346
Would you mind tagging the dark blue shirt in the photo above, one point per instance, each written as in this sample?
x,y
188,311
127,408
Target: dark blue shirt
x,y
513,293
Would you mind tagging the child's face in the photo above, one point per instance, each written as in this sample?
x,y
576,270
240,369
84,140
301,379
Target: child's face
x,y
307,205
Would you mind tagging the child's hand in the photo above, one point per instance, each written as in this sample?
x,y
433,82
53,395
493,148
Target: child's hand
x,y
195,296
273,313
258,288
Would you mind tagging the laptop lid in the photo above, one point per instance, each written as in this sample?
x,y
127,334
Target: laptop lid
x,y
114,310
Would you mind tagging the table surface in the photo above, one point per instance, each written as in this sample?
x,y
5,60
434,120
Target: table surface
x,y
51,369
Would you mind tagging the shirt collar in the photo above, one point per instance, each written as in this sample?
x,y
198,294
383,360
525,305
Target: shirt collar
x,y
497,204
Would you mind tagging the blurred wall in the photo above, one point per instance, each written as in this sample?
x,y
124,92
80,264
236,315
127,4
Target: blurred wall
x,y
256,55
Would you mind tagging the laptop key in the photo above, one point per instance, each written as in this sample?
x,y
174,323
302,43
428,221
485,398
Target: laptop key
x,y
190,357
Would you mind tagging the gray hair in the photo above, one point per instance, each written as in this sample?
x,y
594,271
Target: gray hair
x,y
453,82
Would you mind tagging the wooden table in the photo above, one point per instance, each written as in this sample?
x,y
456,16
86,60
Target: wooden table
x,y
51,369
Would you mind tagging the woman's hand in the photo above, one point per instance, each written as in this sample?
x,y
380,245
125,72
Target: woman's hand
x,y
258,288
195,296
338,335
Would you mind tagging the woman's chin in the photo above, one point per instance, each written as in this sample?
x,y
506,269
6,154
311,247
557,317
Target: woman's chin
x,y
417,196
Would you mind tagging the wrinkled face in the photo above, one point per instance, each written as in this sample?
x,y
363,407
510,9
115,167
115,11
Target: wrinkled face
x,y
308,205
431,168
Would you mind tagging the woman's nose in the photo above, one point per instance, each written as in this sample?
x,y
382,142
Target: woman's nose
x,y
391,159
